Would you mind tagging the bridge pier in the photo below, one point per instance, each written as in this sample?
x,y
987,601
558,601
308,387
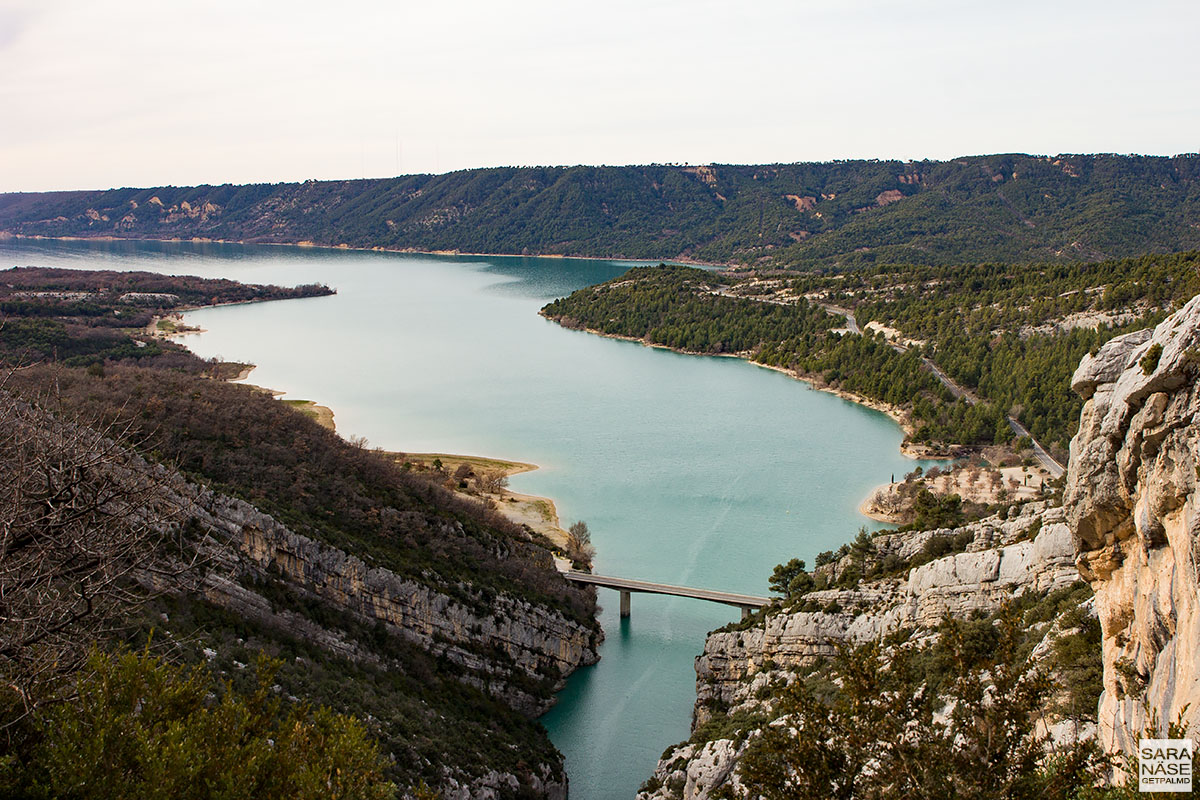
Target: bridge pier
x,y
746,612
626,587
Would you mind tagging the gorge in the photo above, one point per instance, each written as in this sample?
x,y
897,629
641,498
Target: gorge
x,y
465,364
1126,525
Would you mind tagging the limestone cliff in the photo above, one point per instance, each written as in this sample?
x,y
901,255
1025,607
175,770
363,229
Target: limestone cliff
x,y
263,576
512,649
441,625
1132,504
994,567
537,642
1128,525
1030,550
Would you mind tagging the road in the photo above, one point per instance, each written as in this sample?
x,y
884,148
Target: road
x,y
851,322
1044,458
960,392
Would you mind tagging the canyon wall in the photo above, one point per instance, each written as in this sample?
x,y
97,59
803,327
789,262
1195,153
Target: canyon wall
x,y
252,565
1128,526
1131,501
1031,549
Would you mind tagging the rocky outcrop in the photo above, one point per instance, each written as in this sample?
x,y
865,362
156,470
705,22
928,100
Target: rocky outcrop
x,y
496,785
439,657
503,644
1128,525
1132,504
1028,550
995,567
513,649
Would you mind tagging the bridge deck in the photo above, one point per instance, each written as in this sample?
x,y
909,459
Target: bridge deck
x,y
629,585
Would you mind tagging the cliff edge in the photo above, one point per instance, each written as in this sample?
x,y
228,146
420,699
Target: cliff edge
x,y
1123,646
1132,506
894,584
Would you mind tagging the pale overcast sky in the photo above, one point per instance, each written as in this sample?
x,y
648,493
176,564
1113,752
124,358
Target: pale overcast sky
x,y
97,94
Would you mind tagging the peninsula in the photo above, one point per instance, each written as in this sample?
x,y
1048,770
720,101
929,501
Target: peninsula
x,y
426,621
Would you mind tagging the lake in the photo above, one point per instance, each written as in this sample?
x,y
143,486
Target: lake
x,y
689,470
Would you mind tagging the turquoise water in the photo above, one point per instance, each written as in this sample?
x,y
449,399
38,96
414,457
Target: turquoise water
x,y
688,470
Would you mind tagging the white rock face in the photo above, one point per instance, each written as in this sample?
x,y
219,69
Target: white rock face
x,y
1129,525
999,564
501,642
694,772
1132,503
959,584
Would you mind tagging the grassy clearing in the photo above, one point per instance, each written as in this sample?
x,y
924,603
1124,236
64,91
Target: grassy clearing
x,y
450,462
322,414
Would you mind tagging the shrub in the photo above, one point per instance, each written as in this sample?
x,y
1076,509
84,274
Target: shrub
x,y
1149,361
142,728
873,727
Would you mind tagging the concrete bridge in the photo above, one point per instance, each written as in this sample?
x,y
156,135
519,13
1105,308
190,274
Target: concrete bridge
x,y
627,586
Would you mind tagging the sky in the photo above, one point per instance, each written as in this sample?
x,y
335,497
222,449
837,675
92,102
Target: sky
x,y
97,94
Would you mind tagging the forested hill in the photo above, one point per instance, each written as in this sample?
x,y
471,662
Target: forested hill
x,y
982,208
1012,335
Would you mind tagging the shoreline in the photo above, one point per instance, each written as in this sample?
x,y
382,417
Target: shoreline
x,y
539,514
401,250
891,503
867,510
895,413
325,416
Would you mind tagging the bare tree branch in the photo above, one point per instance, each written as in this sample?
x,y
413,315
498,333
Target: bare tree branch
x,y
81,518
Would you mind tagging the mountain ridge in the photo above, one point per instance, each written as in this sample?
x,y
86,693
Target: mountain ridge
x,y
1008,207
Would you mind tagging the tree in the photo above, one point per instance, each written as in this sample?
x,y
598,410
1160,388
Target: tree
x,y
579,544
579,532
790,579
80,518
492,480
877,725
141,728
936,511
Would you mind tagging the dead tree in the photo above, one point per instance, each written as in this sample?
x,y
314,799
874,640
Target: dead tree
x,y
80,515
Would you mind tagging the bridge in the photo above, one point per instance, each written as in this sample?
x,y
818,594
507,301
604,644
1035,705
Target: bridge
x,y
626,586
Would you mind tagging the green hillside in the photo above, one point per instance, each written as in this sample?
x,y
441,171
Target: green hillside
x,y
1011,335
142,501
980,208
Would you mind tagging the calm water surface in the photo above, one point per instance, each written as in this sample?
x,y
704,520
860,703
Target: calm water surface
x,y
688,470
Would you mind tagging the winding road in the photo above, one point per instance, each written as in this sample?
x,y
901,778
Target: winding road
x,y
1044,458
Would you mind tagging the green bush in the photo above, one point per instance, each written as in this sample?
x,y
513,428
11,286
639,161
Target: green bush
x,y
1149,361
871,727
139,727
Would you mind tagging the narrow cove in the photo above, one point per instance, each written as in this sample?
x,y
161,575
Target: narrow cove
x,y
689,470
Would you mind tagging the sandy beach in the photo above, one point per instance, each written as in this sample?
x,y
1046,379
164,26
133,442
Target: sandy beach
x,y
539,513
